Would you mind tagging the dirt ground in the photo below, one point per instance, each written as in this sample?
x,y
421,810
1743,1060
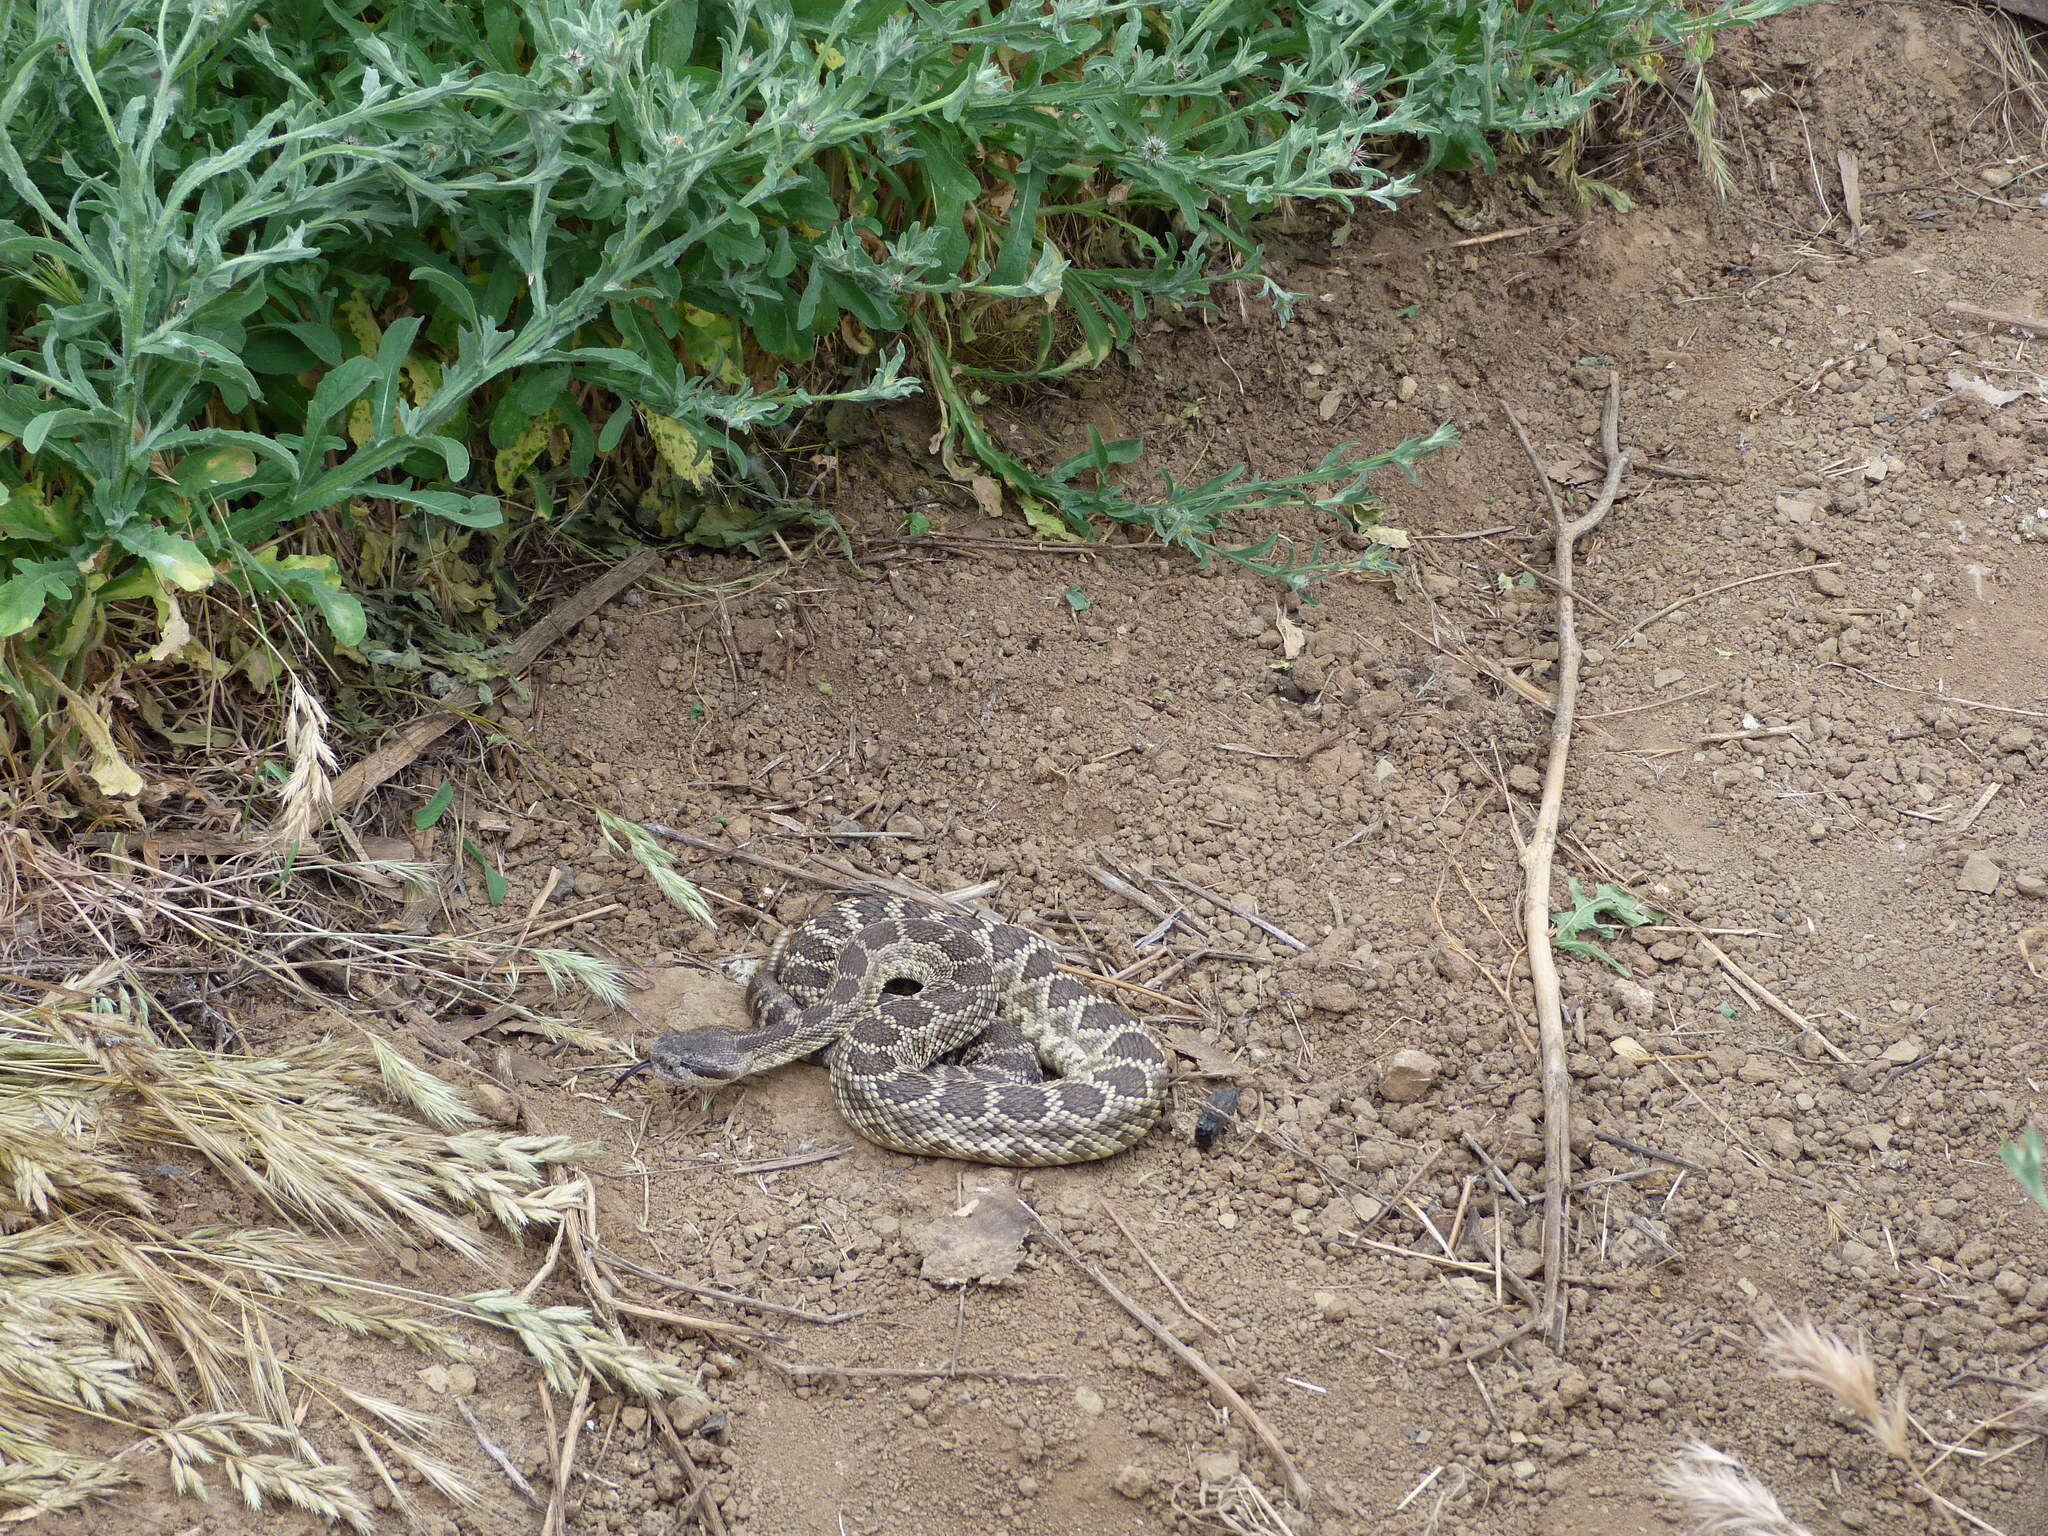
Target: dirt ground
x,y
1772,761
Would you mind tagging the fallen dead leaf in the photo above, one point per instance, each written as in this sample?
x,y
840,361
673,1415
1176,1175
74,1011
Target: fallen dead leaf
x,y
1292,637
1630,1050
1979,389
1579,471
1208,1060
987,495
981,1243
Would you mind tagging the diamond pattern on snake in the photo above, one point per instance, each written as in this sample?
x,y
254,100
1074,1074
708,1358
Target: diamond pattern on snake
x,y
946,1035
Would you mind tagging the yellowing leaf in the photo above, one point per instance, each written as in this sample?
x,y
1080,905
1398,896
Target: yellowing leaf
x,y
511,464
355,314
110,770
1393,538
1046,523
422,377
359,431
177,634
201,473
831,57
259,665
687,458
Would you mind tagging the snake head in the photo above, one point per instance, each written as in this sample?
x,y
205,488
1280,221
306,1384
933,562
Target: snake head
x,y
698,1058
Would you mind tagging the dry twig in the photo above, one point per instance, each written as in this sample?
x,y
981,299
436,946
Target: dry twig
x,y
565,1462
1159,1274
2032,324
730,1298
1233,909
358,779
497,1454
1541,850
806,1369
1945,698
832,878
1297,1485
1727,586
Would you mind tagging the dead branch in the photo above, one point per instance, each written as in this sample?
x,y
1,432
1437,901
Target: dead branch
x,y
1540,851
358,779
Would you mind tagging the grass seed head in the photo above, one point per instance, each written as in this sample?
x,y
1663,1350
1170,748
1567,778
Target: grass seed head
x,y
309,791
1804,1351
1721,1497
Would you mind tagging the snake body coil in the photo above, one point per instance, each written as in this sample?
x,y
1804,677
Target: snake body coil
x,y
941,1032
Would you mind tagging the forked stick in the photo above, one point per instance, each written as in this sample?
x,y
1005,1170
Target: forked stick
x,y
1297,1485
1540,851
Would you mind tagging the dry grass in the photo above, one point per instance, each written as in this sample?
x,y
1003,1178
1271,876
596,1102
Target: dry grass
x,y
309,790
246,917
1721,1497
127,1342
1237,1505
1804,1351
2019,52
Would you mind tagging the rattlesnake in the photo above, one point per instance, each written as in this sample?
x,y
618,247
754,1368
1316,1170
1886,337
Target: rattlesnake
x,y
940,1030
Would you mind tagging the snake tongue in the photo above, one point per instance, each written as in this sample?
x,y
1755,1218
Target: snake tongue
x,y
631,1072
698,1073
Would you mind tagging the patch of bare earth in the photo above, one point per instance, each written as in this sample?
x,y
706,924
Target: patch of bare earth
x,y
1772,761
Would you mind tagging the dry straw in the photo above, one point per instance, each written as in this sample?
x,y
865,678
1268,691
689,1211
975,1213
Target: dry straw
x,y
129,1343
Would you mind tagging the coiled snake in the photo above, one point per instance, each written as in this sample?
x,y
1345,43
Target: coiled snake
x,y
941,1031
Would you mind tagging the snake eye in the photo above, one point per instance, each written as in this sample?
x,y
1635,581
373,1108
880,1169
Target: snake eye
x,y
902,986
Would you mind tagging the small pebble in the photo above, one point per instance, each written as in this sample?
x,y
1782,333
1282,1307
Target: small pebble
x,y
1331,1306
1407,1076
1637,1000
1980,874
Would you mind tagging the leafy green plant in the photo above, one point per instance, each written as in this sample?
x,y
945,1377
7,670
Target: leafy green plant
x,y
2025,1156
316,307
1606,912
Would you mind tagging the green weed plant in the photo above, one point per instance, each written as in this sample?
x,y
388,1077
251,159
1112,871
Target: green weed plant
x,y
312,306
